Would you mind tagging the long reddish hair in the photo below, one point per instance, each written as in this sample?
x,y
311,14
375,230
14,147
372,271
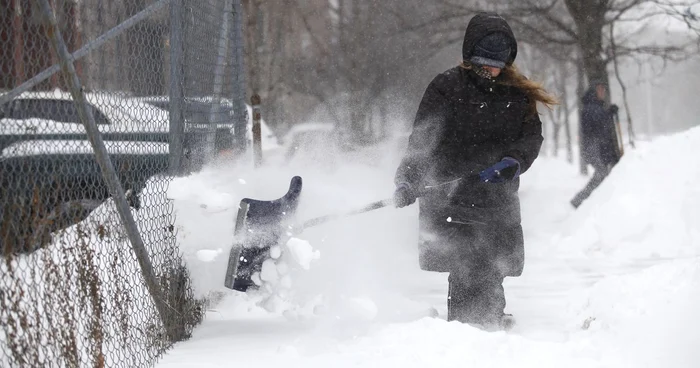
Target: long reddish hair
x,y
535,92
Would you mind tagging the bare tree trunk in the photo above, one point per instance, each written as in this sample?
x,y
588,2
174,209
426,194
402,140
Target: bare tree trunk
x,y
340,41
567,114
630,131
589,16
383,116
555,140
543,148
580,90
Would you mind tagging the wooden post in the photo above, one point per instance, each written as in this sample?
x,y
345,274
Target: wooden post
x,y
257,134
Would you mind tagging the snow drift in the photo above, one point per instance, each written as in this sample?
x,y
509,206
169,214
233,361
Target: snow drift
x,y
81,299
647,317
649,206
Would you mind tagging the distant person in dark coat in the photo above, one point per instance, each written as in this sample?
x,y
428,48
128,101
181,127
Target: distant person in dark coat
x,y
476,131
601,147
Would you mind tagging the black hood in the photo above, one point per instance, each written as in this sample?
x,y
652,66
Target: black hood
x,y
482,25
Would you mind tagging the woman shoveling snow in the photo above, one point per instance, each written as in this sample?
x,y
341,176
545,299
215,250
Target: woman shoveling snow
x,y
476,131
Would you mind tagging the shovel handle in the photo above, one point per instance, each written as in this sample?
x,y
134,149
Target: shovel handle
x,y
370,207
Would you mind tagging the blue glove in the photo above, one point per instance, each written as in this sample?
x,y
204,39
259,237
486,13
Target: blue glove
x,y
506,169
404,196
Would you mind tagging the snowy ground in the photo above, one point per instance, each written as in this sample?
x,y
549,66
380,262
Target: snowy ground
x,y
612,284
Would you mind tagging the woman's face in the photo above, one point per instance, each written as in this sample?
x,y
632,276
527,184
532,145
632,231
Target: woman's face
x,y
493,70
600,92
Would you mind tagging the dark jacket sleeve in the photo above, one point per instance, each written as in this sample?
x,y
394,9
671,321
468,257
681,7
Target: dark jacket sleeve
x,y
527,147
425,136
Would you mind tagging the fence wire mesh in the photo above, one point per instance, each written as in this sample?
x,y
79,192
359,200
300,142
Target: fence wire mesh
x,y
71,293
213,79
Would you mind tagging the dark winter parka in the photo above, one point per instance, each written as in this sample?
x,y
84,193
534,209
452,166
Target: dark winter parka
x,y
464,124
598,133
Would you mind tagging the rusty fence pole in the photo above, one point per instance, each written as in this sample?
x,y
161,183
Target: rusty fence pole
x,y
257,130
108,172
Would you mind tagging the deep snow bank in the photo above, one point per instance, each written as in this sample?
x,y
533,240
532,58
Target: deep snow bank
x,y
87,280
648,317
649,206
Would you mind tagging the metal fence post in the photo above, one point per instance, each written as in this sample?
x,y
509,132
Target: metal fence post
x,y
102,156
176,85
239,86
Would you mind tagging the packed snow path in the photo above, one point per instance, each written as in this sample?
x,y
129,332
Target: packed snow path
x,y
579,303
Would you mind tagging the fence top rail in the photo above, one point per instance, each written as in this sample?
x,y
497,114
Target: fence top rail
x,y
85,50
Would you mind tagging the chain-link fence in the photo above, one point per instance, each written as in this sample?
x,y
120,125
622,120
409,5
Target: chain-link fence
x,y
90,271
213,86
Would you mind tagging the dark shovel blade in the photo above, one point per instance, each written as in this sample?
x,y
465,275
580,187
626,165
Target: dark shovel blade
x,y
259,226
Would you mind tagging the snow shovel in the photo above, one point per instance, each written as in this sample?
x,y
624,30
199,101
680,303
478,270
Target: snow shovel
x,y
263,224
259,226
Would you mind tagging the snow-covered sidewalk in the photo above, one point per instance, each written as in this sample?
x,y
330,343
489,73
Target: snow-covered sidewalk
x,y
613,284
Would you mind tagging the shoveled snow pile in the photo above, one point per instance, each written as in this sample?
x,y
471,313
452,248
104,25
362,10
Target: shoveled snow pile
x,y
648,317
206,204
276,278
649,206
302,252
